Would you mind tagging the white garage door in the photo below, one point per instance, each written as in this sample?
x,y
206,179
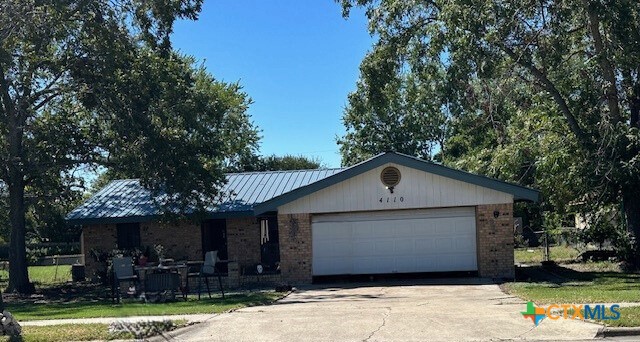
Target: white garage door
x,y
400,241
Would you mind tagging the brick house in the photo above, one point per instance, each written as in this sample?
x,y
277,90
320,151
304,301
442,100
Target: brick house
x,y
390,214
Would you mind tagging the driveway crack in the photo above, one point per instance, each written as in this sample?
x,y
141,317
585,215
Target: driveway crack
x,y
384,322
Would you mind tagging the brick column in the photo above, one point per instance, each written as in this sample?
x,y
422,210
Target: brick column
x,y
233,275
243,241
100,237
295,248
495,240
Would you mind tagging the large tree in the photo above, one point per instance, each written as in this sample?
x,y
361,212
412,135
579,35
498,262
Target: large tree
x,y
87,83
275,163
386,113
577,61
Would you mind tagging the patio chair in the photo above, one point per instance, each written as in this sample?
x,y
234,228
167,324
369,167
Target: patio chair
x,y
206,270
122,272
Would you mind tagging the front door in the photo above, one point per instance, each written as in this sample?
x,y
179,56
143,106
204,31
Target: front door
x,y
269,244
214,238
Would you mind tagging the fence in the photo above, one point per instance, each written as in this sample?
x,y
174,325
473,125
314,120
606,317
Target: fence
x,y
36,253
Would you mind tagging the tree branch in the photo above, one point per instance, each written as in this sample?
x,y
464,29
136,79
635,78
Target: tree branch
x,y
47,89
7,101
555,93
607,68
45,101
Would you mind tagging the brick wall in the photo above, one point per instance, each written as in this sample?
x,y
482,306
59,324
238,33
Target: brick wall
x,y
181,240
295,247
100,237
243,241
495,241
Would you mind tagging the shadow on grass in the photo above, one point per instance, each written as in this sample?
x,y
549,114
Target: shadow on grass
x,y
563,276
30,310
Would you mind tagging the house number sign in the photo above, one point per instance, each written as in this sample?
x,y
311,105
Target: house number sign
x,y
391,199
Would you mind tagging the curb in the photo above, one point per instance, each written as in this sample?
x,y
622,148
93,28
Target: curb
x,y
614,332
173,335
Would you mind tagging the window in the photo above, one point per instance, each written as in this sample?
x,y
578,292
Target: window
x,y
128,235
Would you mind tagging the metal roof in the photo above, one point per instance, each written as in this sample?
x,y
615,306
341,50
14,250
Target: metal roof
x,y
254,193
520,193
128,201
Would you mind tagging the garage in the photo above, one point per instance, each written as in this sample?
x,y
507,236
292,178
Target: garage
x,y
395,213
394,241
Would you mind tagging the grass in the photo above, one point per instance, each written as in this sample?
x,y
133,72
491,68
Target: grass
x,y
26,311
536,255
44,275
75,332
629,317
583,283
65,332
564,285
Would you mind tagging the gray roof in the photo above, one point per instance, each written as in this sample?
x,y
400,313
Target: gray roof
x,y
254,193
128,201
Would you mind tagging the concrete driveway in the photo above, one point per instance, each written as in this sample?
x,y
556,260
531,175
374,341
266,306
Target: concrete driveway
x,y
437,310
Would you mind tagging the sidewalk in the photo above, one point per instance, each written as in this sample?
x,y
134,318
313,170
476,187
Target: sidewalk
x,y
195,318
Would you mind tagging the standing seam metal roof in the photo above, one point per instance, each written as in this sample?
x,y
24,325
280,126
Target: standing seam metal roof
x,y
253,193
127,200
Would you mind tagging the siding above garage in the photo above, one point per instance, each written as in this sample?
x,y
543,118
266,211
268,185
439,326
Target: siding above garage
x,y
417,189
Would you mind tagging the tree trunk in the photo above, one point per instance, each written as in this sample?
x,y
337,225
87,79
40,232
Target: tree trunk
x,y
631,202
18,273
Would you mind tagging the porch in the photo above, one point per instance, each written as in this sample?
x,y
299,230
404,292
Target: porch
x,y
249,245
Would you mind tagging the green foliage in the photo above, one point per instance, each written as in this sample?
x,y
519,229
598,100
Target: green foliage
x,y
390,112
244,161
276,163
602,225
85,84
544,94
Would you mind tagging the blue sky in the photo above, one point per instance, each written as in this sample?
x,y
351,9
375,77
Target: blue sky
x,y
298,60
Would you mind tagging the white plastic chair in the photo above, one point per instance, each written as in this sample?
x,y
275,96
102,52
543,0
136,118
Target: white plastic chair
x,y
209,270
122,272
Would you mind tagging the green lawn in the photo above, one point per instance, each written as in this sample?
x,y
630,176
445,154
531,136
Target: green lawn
x,y
75,332
586,285
536,255
26,311
44,275
564,285
66,332
629,317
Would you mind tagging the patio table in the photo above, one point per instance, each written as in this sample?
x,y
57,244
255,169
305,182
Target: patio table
x,y
180,269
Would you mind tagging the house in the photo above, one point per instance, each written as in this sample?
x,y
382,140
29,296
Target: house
x,y
392,213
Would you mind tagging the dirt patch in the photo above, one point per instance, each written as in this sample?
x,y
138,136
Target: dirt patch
x,y
62,293
602,266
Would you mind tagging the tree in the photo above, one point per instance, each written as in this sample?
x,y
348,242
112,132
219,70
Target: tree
x,y
577,60
279,163
387,113
88,83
